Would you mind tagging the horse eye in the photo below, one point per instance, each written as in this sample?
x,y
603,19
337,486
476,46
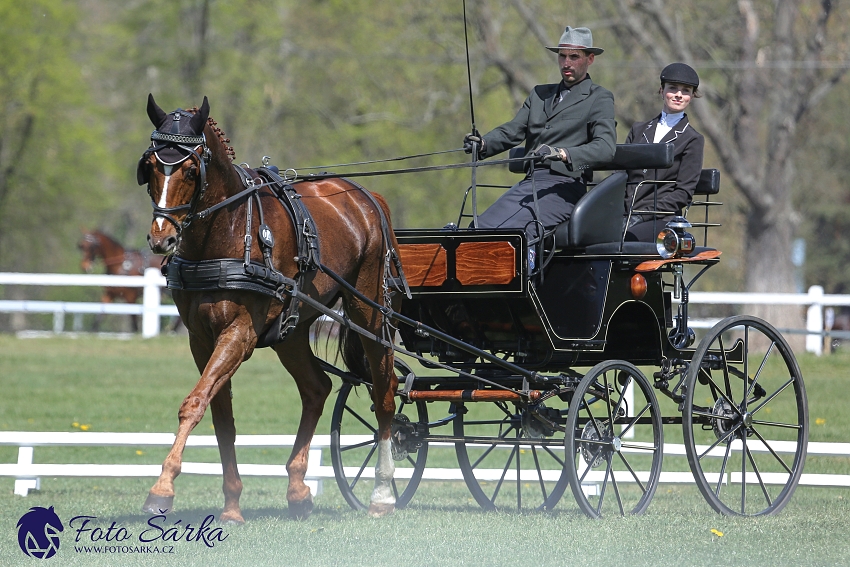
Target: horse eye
x,y
192,172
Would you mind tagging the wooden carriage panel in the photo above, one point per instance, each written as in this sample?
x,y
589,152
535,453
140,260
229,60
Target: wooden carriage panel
x,y
425,265
481,263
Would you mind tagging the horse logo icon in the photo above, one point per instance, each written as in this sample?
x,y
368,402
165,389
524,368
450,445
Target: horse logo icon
x,y
38,532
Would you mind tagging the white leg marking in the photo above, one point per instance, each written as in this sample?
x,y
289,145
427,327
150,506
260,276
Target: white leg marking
x,y
384,470
163,199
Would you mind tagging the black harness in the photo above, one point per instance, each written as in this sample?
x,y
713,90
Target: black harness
x,y
246,274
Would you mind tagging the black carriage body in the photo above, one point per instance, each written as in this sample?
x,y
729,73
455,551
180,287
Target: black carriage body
x,y
473,285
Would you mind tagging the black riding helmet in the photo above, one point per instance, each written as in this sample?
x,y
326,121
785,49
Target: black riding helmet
x,y
680,73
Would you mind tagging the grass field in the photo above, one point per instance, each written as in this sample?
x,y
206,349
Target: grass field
x,y
61,384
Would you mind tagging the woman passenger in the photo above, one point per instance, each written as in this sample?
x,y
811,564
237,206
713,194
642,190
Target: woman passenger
x,y
679,83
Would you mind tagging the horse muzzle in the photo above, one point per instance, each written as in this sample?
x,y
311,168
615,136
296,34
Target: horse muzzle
x,y
164,244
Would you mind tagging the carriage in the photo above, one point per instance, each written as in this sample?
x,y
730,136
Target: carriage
x,y
562,374
539,378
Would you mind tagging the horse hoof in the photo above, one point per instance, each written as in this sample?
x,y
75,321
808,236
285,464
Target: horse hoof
x,y
231,518
381,510
301,510
156,505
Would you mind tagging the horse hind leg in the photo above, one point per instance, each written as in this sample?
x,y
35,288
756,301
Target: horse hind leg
x,y
314,387
384,385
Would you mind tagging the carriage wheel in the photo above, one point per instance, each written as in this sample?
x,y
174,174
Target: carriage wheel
x,y
510,458
739,432
617,441
354,448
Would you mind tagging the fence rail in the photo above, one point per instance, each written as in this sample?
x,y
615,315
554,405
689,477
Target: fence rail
x,y
28,474
151,308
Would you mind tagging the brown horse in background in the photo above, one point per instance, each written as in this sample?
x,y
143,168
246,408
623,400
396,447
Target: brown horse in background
x,y
224,324
118,261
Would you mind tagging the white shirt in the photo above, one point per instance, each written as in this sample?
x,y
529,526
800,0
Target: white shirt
x,y
666,124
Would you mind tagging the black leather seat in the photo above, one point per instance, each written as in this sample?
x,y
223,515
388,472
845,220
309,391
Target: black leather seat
x,y
597,217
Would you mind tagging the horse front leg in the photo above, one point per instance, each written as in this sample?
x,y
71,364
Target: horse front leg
x,y
225,434
229,353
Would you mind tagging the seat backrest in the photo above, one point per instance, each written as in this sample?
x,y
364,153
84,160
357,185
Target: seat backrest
x,y
709,182
598,215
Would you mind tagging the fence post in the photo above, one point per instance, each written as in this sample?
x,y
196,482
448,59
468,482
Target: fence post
x,y
814,320
150,303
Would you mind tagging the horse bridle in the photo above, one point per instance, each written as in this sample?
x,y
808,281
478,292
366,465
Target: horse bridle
x,y
191,144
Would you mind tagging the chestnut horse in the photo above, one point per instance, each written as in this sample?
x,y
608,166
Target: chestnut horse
x,y
189,170
118,262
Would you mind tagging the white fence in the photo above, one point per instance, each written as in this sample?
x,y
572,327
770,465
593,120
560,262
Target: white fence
x,y
28,474
151,309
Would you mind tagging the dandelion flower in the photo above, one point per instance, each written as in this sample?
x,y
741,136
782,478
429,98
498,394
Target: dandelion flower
x,y
140,452
85,427
820,421
717,532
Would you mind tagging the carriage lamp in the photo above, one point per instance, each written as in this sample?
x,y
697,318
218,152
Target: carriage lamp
x,y
638,286
674,241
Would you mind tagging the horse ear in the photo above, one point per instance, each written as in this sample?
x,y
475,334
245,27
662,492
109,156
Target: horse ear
x,y
200,118
155,113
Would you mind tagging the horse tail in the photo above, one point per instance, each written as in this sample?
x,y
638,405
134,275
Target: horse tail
x,y
353,355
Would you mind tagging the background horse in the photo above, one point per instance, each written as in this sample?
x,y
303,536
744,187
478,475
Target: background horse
x,y
187,174
118,262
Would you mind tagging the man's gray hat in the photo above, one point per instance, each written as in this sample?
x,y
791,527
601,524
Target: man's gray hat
x,y
576,38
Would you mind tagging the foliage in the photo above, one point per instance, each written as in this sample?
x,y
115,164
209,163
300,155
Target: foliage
x,y
54,154
329,82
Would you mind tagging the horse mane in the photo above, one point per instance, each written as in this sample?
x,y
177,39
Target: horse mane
x,y
222,137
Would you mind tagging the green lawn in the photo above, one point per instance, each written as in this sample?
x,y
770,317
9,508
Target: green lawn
x,y
60,384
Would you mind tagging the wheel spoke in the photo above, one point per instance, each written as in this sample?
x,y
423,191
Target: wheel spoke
x,y
553,455
758,476
744,474
635,420
633,473
719,441
361,420
358,445
616,488
504,474
539,473
777,424
723,469
622,398
758,372
593,458
607,397
725,368
604,486
772,452
773,395
363,466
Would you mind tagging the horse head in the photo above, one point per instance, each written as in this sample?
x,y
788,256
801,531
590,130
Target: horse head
x,y
89,245
174,168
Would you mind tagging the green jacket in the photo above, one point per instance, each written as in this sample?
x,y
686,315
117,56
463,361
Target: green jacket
x,y
582,123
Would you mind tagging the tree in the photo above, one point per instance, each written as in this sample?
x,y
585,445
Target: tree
x,y
764,67
768,67
54,168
